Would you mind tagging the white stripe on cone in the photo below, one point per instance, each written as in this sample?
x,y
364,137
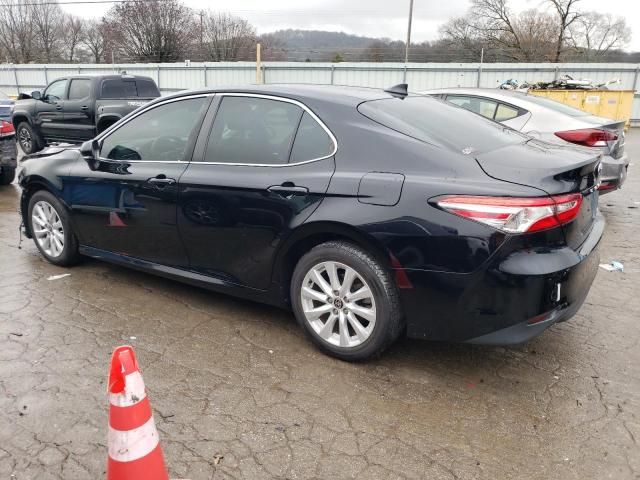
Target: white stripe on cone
x,y
133,444
133,393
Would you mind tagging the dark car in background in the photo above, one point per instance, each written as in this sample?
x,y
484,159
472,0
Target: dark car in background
x,y
77,108
6,107
8,152
371,214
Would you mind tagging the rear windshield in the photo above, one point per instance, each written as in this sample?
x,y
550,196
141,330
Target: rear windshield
x,y
128,88
557,106
439,123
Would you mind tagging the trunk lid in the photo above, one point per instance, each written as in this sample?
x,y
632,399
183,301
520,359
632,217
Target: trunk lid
x,y
553,169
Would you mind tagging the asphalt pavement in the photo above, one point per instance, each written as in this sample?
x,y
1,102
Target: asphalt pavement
x,y
239,393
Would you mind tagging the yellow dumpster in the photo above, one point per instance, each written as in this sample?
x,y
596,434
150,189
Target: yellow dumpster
x,y
616,104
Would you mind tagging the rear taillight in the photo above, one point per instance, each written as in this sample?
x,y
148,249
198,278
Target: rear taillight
x,y
588,137
515,215
6,128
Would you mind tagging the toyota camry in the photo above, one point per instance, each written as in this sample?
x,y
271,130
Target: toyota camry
x,y
370,214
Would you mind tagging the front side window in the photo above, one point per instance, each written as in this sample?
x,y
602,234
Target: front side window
x,y
482,106
55,91
160,134
253,130
79,88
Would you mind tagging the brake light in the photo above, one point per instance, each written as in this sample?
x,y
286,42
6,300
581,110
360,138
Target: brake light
x,y
6,128
515,215
588,137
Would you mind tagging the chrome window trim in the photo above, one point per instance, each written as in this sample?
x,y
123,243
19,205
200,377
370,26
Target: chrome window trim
x,y
278,99
229,94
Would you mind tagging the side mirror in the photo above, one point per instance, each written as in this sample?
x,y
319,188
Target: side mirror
x,y
36,95
90,150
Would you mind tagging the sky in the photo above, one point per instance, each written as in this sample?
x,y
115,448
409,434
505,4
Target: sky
x,y
374,18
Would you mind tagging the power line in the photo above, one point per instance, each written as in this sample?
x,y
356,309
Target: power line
x,y
73,2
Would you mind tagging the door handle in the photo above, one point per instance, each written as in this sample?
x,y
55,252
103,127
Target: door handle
x,y
288,189
58,107
84,108
161,180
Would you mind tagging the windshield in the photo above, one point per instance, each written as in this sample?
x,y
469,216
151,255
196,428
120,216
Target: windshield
x,y
439,123
557,106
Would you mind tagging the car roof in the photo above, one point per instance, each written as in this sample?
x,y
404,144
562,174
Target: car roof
x,y
333,93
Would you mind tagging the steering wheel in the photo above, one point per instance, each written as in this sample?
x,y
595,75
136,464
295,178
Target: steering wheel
x,y
167,148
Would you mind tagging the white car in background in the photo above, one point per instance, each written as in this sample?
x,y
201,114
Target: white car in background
x,y
550,121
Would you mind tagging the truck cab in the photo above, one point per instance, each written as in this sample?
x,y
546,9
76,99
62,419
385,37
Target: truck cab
x,y
77,108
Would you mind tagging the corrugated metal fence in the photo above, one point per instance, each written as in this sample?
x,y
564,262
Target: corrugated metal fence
x,y
172,77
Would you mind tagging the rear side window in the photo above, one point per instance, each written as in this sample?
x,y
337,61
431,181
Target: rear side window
x,y
147,88
311,142
253,130
481,106
161,134
437,123
119,88
79,88
505,112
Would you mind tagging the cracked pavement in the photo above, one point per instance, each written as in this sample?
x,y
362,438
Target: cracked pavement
x,y
238,392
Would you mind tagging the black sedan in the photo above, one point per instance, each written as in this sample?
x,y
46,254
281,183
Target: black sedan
x,y
371,214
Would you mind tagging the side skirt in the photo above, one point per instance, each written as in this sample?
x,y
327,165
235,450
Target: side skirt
x,y
186,276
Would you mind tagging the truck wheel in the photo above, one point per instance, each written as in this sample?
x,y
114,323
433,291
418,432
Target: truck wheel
x,y
7,174
29,140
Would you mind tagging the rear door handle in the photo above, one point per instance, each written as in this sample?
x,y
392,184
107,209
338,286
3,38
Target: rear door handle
x,y
84,108
161,180
288,190
58,107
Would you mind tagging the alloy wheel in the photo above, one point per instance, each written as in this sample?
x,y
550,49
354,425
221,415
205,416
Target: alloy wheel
x,y
25,139
338,304
47,228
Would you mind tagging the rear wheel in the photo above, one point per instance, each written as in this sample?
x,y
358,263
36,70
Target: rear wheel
x,y
28,138
51,230
7,174
346,301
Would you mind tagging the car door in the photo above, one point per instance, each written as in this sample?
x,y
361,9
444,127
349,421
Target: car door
x,y
126,202
49,110
260,170
79,114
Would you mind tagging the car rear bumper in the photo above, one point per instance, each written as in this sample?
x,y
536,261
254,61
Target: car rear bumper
x,y
512,299
614,173
8,152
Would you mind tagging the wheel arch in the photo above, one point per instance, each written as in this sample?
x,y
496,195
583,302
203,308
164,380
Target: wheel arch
x,y
18,118
313,234
30,185
105,121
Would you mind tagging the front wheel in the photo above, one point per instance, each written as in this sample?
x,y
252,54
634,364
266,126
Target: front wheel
x,y
346,301
7,174
51,230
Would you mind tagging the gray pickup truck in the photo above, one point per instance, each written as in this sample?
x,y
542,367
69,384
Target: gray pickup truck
x,y
76,108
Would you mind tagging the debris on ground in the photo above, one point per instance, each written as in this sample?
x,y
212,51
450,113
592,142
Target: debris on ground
x,y
217,458
58,277
613,266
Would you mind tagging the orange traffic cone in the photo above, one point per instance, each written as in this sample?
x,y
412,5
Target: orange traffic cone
x,y
134,446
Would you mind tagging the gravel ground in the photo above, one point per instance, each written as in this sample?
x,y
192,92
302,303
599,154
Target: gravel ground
x,y
238,392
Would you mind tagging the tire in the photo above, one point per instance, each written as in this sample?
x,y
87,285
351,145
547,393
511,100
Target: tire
x,y
29,140
41,204
375,331
7,174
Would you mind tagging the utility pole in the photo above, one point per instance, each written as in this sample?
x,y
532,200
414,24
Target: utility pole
x,y
201,32
258,65
406,49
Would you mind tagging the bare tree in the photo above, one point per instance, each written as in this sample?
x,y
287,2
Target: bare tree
x,y
567,16
93,39
597,34
152,31
227,37
16,31
72,36
48,22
